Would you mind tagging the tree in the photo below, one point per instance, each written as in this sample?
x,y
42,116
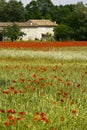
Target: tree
x,y
13,32
45,7
61,13
11,11
63,32
76,19
32,11
14,11
3,4
39,9
81,28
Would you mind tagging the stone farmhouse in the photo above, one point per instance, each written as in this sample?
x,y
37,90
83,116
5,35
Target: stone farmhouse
x,y
33,29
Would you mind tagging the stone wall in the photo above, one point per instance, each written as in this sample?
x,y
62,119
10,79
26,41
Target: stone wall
x,y
33,33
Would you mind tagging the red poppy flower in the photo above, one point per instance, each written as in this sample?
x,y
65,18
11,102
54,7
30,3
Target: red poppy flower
x,y
61,100
6,123
56,66
10,117
11,111
14,81
41,79
59,93
22,80
44,69
22,113
68,84
42,86
34,75
5,92
42,114
74,111
37,113
34,88
65,93
86,72
55,77
44,119
15,92
12,122
60,80
36,119
72,103
78,85
12,89
20,91
2,111
19,118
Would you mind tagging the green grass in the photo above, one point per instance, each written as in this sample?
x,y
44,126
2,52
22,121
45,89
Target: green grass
x,y
51,92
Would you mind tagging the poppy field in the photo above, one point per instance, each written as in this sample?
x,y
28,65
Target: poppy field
x,y
45,91
40,45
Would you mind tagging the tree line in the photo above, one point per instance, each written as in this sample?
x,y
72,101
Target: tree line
x,y
71,19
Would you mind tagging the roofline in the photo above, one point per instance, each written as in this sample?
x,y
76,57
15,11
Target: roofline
x,y
26,24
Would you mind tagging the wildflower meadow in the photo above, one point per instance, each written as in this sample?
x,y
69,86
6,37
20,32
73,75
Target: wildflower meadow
x,y
43,89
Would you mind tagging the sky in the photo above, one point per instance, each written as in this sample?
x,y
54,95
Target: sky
x,y
58,2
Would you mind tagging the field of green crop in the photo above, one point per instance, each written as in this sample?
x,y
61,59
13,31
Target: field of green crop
x,y
43,90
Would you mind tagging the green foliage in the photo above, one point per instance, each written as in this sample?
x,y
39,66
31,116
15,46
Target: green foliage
x,y
45,7
40,9
63,32
2,10
16,11
12,11
32,11
47,37
13,32
78,21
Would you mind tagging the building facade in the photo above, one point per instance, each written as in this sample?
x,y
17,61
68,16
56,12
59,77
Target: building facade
x,y
33,29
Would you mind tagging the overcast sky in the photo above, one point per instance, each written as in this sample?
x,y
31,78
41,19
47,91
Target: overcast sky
x,y
58,2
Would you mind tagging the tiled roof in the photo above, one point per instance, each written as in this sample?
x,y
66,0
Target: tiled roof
x,y
30,23
43,22
21,24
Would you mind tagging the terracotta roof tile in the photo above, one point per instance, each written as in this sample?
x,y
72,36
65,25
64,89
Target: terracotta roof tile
x,y
43,22
30,23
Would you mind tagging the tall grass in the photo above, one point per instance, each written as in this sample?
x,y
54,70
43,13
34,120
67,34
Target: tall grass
x,y
60,54
43,93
